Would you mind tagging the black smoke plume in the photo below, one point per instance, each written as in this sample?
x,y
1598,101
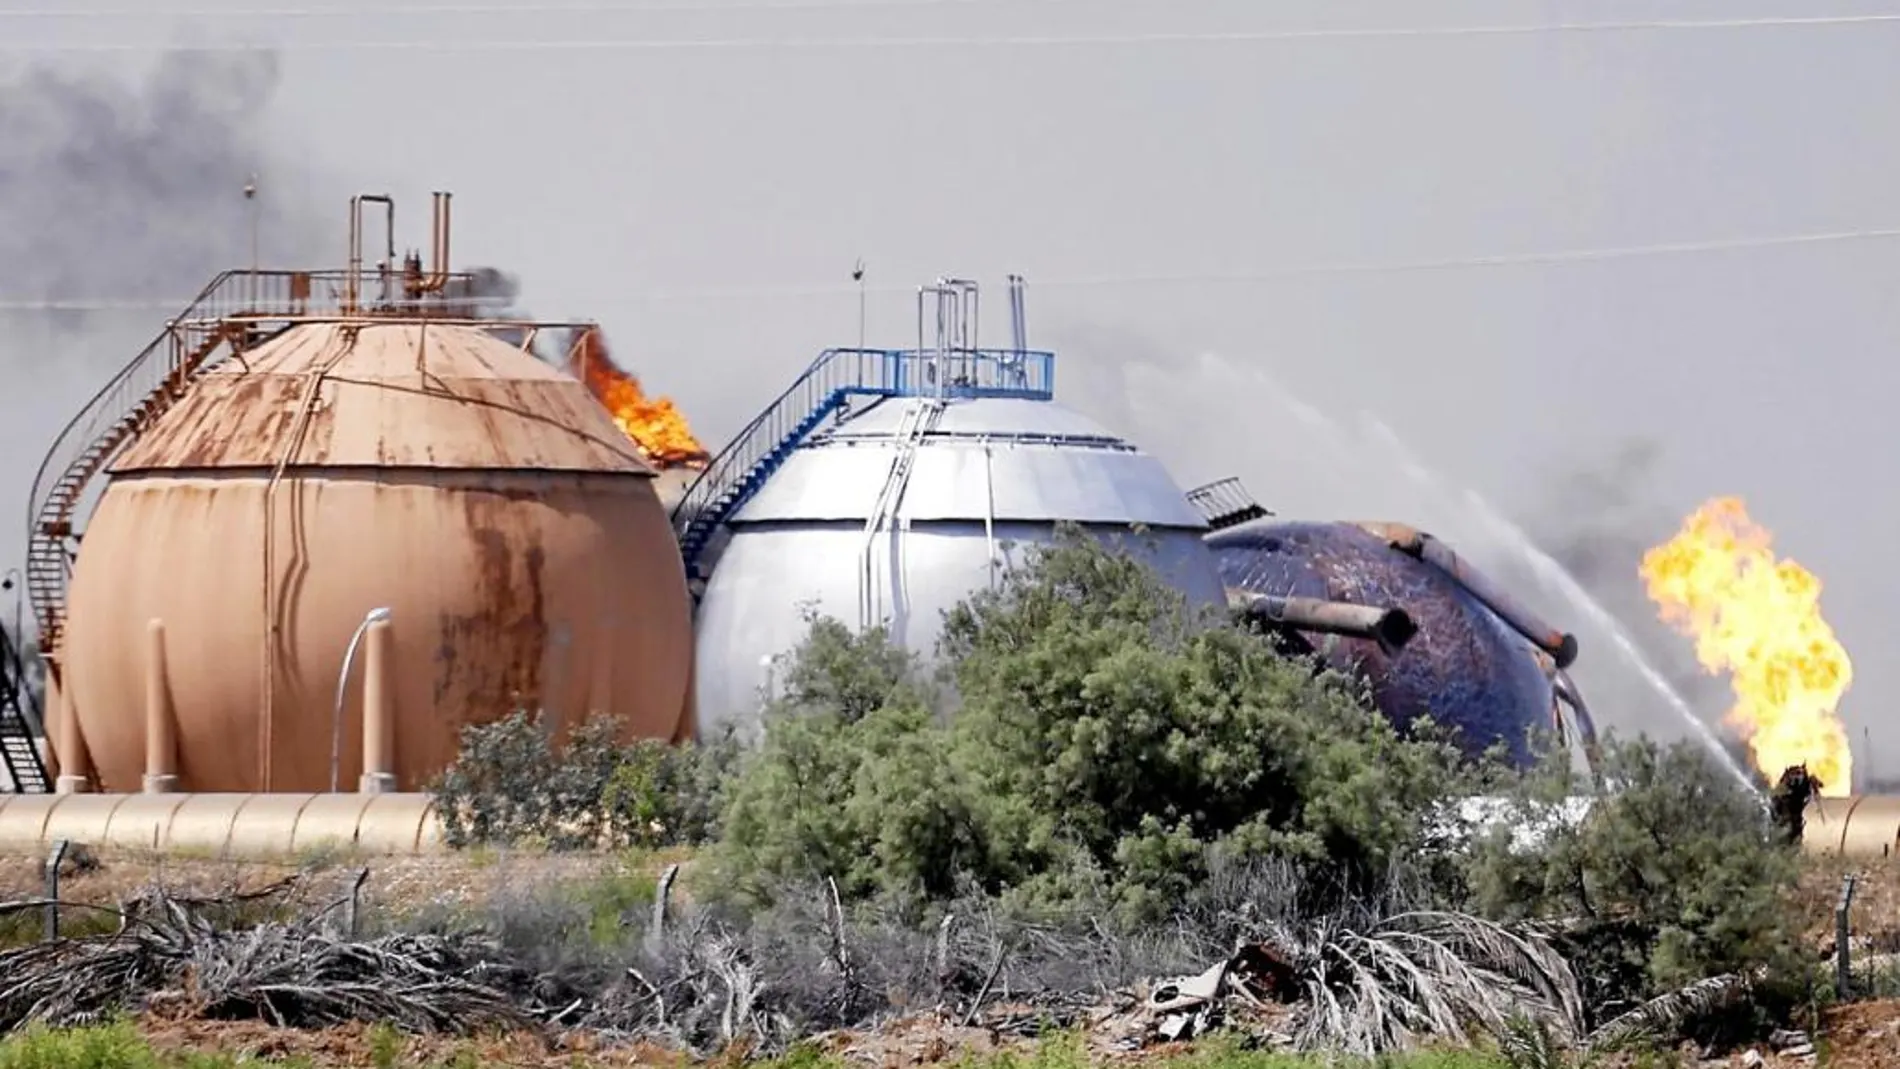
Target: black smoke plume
x,y
120,198
1597,519
123,191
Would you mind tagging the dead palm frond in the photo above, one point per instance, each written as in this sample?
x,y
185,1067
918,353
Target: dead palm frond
x,y
1662,1017
288,974
1444,975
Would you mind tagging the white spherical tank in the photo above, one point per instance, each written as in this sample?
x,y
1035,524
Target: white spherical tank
x,y
904,508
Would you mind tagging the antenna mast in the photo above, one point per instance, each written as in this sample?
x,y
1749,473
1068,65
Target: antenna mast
x,y
250,204
857,275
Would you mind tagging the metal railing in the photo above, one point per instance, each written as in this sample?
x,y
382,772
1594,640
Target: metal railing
x,y
738,470
1225,503
20,721
237,309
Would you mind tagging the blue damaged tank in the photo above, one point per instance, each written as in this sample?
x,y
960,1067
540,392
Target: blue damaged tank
x,y
1448,642
886,486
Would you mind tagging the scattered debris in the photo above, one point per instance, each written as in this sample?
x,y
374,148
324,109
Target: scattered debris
x,y
168,954
1793,1044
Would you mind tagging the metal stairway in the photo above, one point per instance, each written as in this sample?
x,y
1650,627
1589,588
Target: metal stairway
x,y
20,722
739,470
917,423
238,309
115,416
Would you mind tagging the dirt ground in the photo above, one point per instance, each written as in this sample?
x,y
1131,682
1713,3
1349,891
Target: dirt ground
x,y
1859,1036
1863,1035
910,1042
394,884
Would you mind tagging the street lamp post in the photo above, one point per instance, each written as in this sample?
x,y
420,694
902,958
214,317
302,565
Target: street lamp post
x,y
375,616
15,582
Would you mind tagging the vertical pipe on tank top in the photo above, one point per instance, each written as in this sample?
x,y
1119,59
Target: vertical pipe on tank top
x,y
161,732
379,719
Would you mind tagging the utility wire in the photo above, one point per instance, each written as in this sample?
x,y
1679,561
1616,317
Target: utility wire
x,y
1034,41
603,7
1567,256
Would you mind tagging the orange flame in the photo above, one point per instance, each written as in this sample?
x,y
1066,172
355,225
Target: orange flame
x,y
1758,619
653,424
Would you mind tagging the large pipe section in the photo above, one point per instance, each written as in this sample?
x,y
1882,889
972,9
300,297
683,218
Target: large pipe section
x,y
1566,691
352,302
1390,628
161,723
238,826
1561,645
74,759
379,714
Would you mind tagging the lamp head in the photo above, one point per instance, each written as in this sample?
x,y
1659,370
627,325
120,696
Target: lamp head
x,y
377,615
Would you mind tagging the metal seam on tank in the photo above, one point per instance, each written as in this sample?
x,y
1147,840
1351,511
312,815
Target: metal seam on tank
x,y
989,513
236,818
106,824
46,817
372,473
296,820
363,819
106,831
164,832
266,725
562,408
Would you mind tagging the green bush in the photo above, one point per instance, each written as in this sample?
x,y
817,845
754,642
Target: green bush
x,y
1108,745
1677,874
1114,760
509,786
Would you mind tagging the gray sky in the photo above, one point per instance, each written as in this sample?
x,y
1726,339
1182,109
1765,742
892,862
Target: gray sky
x,y
694,198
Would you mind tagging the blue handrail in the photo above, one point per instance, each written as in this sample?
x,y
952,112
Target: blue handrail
x,y
742,467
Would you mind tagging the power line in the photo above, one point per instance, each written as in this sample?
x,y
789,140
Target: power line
x,y
603,7
1531,259
726,43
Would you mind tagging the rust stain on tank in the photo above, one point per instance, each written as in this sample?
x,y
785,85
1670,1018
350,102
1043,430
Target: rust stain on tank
x,y
506,505
511,622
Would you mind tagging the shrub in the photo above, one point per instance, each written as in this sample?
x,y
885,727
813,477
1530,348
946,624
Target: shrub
x,y
1676,875
1101,716
509,786
1109,745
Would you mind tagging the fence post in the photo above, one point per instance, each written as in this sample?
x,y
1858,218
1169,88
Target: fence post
x,y
351,923
656,929
53,861
1843,973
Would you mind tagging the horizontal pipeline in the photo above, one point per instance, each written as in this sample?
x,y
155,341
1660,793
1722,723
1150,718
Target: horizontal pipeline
x,y
236,825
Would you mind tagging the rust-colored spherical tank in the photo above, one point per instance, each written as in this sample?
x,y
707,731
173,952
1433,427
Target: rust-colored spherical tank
x,y
480,495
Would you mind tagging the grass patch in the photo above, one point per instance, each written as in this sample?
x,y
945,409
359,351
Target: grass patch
x,y
112,1046
27,926
120,1046
611,897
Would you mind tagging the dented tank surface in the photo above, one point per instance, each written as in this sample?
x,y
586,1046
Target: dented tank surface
x,y
1465,667
480,495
